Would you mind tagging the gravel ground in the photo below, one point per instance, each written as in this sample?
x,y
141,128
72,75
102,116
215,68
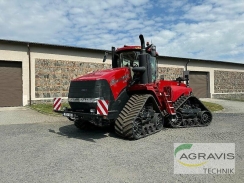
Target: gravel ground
x,y
39,148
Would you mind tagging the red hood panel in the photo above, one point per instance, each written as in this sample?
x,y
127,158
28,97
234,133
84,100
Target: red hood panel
x,y
103,74
118,78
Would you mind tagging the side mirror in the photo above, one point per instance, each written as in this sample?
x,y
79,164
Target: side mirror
x,y
186,76
105,56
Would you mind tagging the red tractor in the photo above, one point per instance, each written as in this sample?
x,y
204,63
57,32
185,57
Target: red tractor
x,y
130,97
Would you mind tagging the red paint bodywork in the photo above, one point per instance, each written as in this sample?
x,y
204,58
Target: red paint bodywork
x,y
157,90
176,89
128,48
118,78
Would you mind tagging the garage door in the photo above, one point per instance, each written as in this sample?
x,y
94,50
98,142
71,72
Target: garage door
x,y
11,84
199,83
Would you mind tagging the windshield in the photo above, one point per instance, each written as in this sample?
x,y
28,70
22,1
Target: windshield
x,y
129,59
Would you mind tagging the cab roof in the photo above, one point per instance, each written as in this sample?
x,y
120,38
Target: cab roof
x,y
126,48
131,48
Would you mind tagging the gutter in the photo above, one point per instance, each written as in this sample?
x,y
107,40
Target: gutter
x,y
29,56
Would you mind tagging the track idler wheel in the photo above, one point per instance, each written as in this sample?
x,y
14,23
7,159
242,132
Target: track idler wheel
x,y
158,121
137,128
177,122
206,118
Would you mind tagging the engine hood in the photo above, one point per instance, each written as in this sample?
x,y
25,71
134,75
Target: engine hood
x,y
103,74
117,78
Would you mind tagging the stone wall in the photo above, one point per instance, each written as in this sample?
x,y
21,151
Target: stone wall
x,y
52,77
231,84
228,82
170,73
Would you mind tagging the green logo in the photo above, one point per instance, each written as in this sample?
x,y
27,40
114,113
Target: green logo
x,y
184,147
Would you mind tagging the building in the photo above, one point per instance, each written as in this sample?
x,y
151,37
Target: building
x,y
39,72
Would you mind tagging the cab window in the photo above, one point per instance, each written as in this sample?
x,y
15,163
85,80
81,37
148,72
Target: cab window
x,y
129,59
153,62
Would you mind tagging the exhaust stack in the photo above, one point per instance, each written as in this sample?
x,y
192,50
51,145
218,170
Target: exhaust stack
x,y
143,48
143,63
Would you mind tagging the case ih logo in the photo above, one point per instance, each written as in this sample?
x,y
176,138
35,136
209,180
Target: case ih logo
x,y
102,107
123,78
204,158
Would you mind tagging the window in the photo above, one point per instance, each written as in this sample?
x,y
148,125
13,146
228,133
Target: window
x,y
129,59
153,62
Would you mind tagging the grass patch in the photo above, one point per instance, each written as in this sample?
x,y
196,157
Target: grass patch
x,y
48,108
212,106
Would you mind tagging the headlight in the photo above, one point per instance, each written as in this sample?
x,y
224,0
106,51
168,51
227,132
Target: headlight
x,y
92,110
68,115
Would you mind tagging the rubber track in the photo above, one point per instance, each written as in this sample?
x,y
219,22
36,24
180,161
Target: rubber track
x,y
181,101
124,122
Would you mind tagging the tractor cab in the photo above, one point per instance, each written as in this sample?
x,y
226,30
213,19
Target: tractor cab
x,y
129,56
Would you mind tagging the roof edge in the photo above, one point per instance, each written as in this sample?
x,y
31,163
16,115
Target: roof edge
x,y
94,49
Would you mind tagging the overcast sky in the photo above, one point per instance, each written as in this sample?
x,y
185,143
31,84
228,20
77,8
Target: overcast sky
x,y
203,29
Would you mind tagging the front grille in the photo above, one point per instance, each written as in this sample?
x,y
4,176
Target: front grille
x,y
88,89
